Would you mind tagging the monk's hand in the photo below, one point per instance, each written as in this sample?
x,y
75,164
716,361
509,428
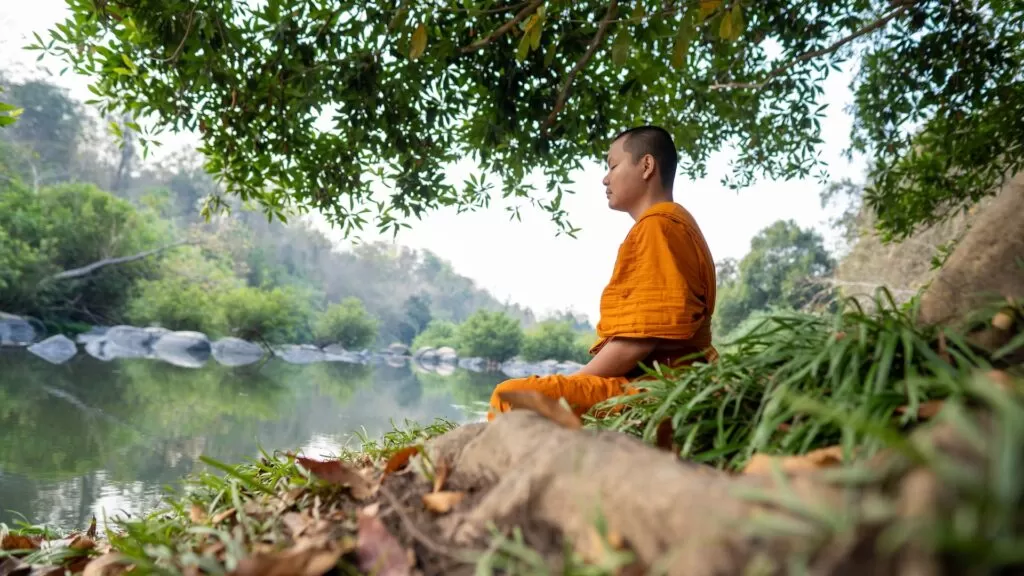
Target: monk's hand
x,y
619,356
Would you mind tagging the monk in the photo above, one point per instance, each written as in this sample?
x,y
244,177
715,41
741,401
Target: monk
x,y
657,307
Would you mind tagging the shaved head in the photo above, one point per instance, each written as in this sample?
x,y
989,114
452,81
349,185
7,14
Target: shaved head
x,y
657,142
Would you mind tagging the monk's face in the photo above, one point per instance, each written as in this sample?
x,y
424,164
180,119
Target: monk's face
x,y
626,183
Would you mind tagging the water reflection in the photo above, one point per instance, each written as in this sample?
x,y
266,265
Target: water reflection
x,y
91,437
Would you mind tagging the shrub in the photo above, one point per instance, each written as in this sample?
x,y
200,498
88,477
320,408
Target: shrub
x,y
554,340
347,323
491,335
438,333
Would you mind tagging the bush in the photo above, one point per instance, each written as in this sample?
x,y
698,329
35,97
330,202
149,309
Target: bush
x,y
278,315
490,335
554,340
347,324
438,333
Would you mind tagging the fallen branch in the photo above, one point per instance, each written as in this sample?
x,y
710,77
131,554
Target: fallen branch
x,y
780,70
504,28
90,268
563,95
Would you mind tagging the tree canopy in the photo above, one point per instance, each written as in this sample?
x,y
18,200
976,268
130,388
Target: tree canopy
x,y
310,105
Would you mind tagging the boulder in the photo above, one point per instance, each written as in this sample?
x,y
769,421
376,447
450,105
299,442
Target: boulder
x,y
335,353
129,341
300,354
447,355
236,352
93,334
568,367
473,364
16,331
185,349
398,349
97,348
55,349
426,355
516,368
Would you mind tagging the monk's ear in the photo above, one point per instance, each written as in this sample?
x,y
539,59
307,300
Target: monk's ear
x,y
648,166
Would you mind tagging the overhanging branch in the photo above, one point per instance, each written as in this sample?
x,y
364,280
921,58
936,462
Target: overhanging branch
x,y
780,70
595,43
90,268
504,28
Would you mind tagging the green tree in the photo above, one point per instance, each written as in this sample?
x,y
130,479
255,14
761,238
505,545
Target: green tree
x,y
779,272
437,334
540,85
417,317
48,132
491,335
278,315
553,339
346,323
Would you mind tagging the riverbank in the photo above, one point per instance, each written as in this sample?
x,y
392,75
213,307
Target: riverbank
x,y
899,450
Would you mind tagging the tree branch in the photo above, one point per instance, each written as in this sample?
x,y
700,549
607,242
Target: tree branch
x,y
501,31
90,268
563,95
780,70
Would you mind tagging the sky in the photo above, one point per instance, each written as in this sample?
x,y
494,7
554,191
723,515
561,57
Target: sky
x,y
523,261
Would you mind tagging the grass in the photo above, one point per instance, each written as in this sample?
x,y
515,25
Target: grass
x,y
792,383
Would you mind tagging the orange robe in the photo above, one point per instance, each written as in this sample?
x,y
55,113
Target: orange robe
x,y
662,286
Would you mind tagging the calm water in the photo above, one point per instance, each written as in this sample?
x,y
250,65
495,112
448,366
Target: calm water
x,y
92,438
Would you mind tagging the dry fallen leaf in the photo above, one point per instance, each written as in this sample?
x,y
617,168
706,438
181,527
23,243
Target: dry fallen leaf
x,y
543,405
296,523
196,514
1002,321
442,502
91,532
82,542
400,459
18,542
222,516
813,460
378,551
341,474
925,410
441,475
107,565
306,558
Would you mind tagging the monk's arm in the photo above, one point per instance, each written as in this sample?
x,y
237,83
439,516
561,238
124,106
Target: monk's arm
x,y
618,356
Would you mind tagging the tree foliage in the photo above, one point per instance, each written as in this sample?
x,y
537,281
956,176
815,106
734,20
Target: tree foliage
x,y
346,323
491,335
437,334
311,105
782,270
554,340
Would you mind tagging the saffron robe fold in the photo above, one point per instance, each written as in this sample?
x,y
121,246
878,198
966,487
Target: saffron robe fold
x,y
662,287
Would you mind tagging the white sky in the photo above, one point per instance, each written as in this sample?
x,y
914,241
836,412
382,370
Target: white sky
x,y
524,261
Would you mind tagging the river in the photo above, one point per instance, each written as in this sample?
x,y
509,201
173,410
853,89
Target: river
x,y
101,438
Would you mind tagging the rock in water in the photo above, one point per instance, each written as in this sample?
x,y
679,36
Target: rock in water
x,y
236,352
300,354
15,331
473,364
185,349
55,349
95,333
398,349
128,342
447,355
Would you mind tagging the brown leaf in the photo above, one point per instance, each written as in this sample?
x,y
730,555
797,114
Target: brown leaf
x,y
339,473
400,459
665,435
19,542
543,405
306,558
1000,379
196,514
109,564
82,542
813,460
296,523
944,349
925,410
378,551
222,516
442,502
91,532
441,475
1002,321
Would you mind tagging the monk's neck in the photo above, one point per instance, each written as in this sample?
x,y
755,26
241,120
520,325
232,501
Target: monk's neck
x,y
637,211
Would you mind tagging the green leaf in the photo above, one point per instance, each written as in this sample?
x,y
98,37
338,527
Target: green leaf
x,y
128,62
123,71
549,55
523,49
682,46
419,42
732,24
620,49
